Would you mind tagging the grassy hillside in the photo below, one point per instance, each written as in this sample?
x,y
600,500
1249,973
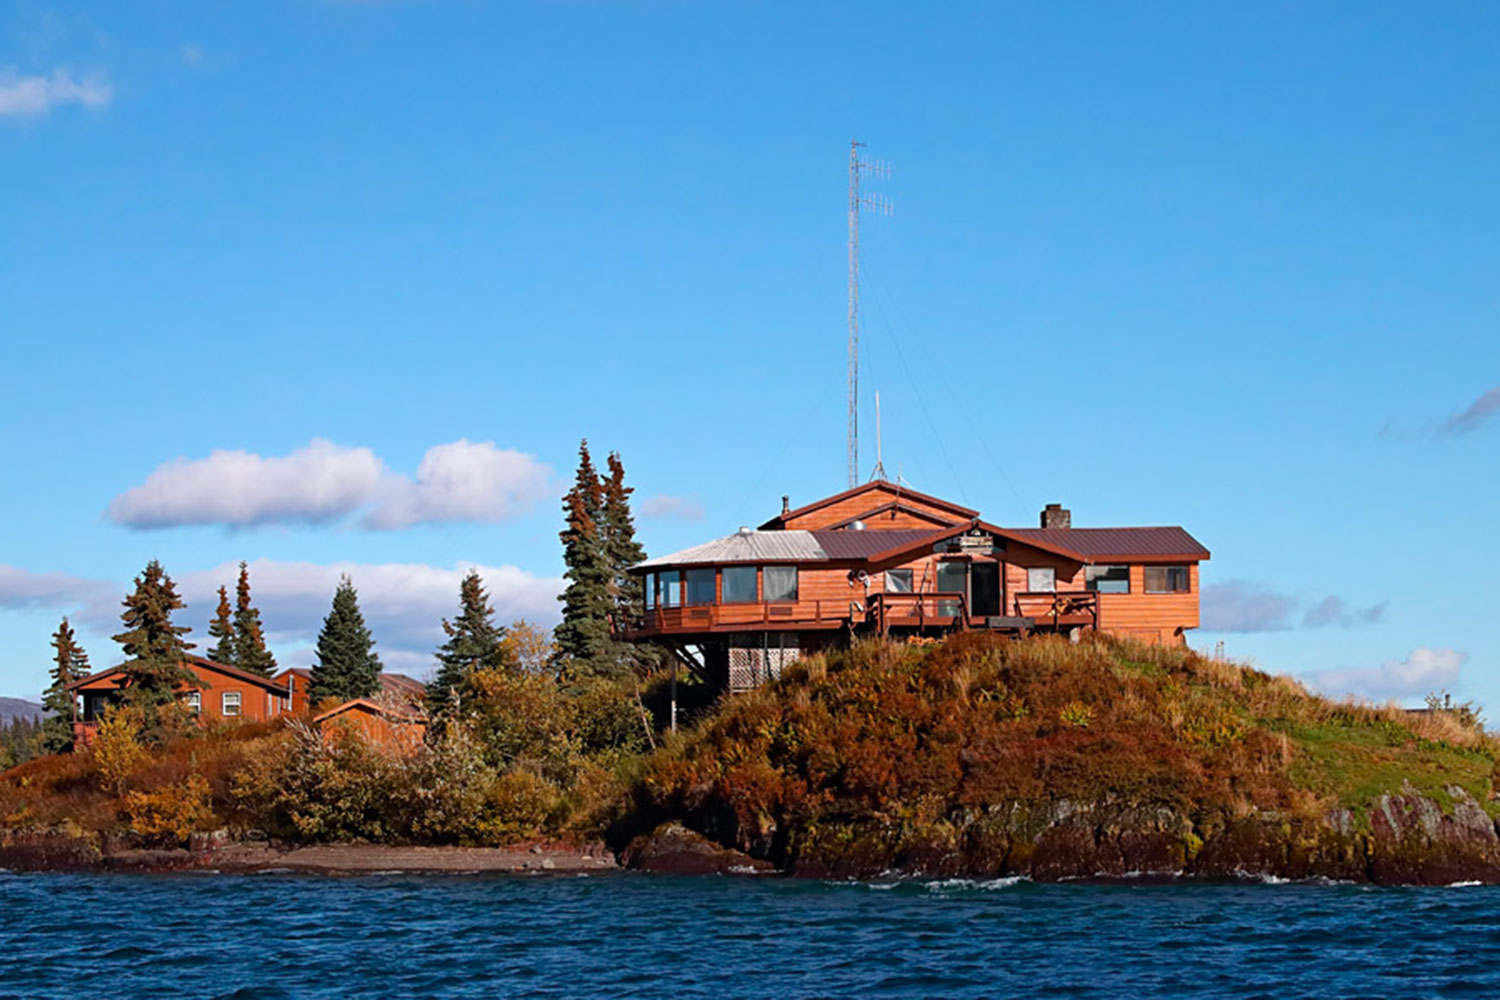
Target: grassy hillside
x,y
961,755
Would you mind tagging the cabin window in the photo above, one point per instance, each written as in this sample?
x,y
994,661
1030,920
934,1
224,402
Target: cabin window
x,y
669,591
898,581
1041,580
650,591
1166,579
952,578
195,701
739,584
700,586
1107,579
781,583
230,703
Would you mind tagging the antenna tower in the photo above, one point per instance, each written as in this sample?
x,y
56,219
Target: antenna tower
x,y
858,166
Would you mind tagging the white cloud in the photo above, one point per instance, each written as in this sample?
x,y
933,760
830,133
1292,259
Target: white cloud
x,y
1423,671
1333,610
23,589
671,508
462,481
319,483
324,482
403,603
29,96
1238,606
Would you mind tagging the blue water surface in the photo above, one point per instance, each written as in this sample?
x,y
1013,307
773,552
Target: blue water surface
x,y
287,937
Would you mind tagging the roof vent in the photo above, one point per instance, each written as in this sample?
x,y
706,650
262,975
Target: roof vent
x,y
744,531
856,525
1055,515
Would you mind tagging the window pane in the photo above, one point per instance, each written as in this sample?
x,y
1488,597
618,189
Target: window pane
x,y
898,581
231,703
780,583
1107,579
1166,579
739,584
700,586
1044,579
650,591
952,577
670,594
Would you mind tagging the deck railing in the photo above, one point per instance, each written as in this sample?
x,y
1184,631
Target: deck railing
x,y
919,610
1059,608
692,617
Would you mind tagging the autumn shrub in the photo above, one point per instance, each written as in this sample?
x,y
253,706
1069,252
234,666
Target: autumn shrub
x,y
170,814
117,748
310,788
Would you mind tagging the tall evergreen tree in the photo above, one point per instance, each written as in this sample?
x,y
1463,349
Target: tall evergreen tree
x,y
222,631
583,642
69,663
250,652
347,665
621,551
154,647
474,643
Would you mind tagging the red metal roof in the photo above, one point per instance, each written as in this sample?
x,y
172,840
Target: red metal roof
x,y
1094,544
843,543
269,683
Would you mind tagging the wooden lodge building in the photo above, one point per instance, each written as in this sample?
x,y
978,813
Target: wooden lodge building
x,y
224,694
882,559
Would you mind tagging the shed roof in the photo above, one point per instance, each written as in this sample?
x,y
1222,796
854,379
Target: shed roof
x,y
189,660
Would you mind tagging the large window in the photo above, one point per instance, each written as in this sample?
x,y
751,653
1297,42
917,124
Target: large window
x,y
1041,580
780,583
669,589
1166,579
230,704
952,578
739,584
898,581
1107,579
700,586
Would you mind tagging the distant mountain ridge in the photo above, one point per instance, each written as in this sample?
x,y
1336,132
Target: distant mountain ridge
x,y
19,708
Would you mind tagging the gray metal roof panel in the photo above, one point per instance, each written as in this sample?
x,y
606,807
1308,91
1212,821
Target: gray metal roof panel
x,y
746,547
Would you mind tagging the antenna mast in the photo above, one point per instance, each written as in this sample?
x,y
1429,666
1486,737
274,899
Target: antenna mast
x,y
857,167
879,471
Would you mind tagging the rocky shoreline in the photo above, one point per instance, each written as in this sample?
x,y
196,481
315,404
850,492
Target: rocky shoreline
x,y
1409,839
48,851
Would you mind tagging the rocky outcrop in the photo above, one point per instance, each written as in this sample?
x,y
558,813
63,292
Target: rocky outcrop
x,y
673,849
1404,838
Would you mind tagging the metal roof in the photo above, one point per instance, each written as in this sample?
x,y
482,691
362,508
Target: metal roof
x,y
791,546
1116,543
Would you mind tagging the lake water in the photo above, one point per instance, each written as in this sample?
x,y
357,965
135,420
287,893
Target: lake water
x,y
293,937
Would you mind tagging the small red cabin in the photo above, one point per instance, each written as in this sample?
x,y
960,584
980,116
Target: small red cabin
x,y
221,693
883,559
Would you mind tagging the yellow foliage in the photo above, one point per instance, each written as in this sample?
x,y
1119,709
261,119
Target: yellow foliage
x,y
172,813
117,748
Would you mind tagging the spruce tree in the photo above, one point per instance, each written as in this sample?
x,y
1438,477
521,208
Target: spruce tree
x,y
154,647
583,642
70,663
474,643
250,652
621,551
347,666
222,631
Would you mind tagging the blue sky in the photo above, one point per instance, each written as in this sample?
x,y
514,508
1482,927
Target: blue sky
x,y
337,286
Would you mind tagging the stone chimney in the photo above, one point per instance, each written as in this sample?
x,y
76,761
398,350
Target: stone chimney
x,y
1055,515
786,505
